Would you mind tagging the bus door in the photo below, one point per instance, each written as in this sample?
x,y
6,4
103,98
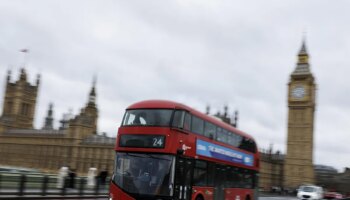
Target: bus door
x,y
219,182
183,178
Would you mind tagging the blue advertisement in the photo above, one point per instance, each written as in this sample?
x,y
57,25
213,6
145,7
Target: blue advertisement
x,y
219,152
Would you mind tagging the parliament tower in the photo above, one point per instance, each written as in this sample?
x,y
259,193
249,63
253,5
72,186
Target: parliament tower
x,y
19,102
298,166
76,143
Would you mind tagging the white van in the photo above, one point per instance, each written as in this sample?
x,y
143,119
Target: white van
x,y
310,192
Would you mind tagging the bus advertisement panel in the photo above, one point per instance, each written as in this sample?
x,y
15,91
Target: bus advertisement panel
x,y
216,151
168,151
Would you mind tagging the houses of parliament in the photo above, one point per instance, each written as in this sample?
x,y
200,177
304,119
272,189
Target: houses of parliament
x,y
77,144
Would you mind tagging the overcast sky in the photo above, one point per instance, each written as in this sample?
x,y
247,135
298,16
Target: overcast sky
x,y
235,53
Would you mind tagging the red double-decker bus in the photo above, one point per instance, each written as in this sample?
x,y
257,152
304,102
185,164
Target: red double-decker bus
x,y
166,150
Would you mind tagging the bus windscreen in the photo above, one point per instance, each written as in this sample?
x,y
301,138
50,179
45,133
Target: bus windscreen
x,y
144,173
147,117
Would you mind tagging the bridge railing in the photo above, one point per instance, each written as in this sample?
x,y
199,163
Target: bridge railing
x,y
46,185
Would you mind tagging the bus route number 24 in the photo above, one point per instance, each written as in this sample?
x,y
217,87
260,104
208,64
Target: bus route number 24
x,y
158,142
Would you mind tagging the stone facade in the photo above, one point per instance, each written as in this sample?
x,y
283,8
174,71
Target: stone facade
x,y
271,170
298,166
342,182
76,143
325,176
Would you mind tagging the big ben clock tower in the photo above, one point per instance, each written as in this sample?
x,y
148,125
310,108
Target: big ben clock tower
x,y
298,166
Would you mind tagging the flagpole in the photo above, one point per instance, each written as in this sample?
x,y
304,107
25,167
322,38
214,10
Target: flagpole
x,y
24,57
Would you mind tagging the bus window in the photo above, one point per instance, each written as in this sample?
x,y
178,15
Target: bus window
x,y
238,139
128,118
211,174
209,130
221,135
147,117
229,182
144,173
252,146
230,139
247,181
225,136
140,119
178,120
200,173
234,139
248,144
235,177
240,178
255,179
187,122
197,125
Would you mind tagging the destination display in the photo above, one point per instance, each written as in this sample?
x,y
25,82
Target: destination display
x,y
219,152
142,141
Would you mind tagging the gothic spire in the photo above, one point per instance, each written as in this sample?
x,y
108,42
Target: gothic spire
x,y
8,76
207,110
225,110
38,79
49,118
303,66
303,50
235,123
92,95
23,75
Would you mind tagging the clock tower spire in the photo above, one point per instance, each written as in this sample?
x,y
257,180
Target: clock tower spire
x,y
298,166
303,66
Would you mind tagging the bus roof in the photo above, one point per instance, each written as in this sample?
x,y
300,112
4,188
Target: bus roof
x,y
165,104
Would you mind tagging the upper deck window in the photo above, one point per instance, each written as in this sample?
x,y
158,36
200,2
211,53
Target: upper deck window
x,y
197,125
210,130
179,118
248,145
147,117
187,122
182,120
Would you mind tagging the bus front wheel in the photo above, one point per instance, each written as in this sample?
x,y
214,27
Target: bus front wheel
x,y
247,198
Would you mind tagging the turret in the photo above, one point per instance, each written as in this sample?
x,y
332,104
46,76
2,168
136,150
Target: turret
x,y
235,122
38,79
49,118
207,110
85,123
19,102
92,95
8,79
23,75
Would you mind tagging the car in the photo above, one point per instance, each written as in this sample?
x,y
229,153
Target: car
x,y
310,192
333,195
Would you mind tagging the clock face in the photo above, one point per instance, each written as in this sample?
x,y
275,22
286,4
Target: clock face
x,y
298,92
